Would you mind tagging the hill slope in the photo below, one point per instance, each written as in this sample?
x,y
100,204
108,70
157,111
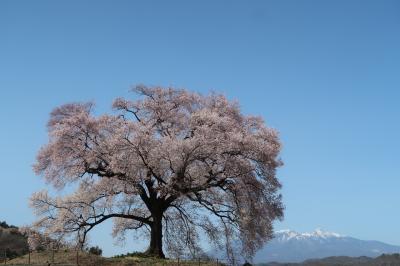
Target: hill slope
x,y
68,257
12,241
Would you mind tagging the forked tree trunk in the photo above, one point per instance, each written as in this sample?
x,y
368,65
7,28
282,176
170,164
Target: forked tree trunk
x,y
155,249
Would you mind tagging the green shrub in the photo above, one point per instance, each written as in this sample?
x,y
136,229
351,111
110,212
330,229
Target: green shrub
x,y
95,251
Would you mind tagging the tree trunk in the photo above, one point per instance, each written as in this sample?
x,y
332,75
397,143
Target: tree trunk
x,y
155,248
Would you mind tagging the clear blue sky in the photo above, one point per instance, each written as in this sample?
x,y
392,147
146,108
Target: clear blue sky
x,y
326,74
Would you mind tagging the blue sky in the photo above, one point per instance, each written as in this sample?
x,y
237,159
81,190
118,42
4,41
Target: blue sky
x,y
324,73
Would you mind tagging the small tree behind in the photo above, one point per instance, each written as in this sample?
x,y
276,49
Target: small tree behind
x,y
171,165
95,251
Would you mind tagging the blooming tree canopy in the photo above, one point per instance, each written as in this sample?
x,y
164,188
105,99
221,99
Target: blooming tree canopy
x,y
172,165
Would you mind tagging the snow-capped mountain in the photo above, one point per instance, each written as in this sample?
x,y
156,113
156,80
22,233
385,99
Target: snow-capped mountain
x,y
291,246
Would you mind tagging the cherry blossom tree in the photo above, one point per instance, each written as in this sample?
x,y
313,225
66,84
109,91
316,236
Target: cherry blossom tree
x,y
173,165
37,241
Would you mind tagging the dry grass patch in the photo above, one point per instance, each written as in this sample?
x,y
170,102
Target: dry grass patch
x,y
67,257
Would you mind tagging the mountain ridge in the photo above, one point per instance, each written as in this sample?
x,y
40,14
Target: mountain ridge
x,y
384,259
291,246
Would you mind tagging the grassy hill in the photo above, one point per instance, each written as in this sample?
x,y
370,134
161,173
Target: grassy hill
x,y
67,257
16,247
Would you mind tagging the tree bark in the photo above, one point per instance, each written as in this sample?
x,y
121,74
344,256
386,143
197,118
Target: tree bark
x,y
155,248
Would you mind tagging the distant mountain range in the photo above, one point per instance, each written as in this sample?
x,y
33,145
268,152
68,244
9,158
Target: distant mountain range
x,y
382,260
291,246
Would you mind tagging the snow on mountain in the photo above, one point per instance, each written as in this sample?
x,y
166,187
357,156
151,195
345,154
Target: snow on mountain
x,y
285,235
291,246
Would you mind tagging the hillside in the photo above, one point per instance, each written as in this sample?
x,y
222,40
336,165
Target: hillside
x,y
84,258
12,241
